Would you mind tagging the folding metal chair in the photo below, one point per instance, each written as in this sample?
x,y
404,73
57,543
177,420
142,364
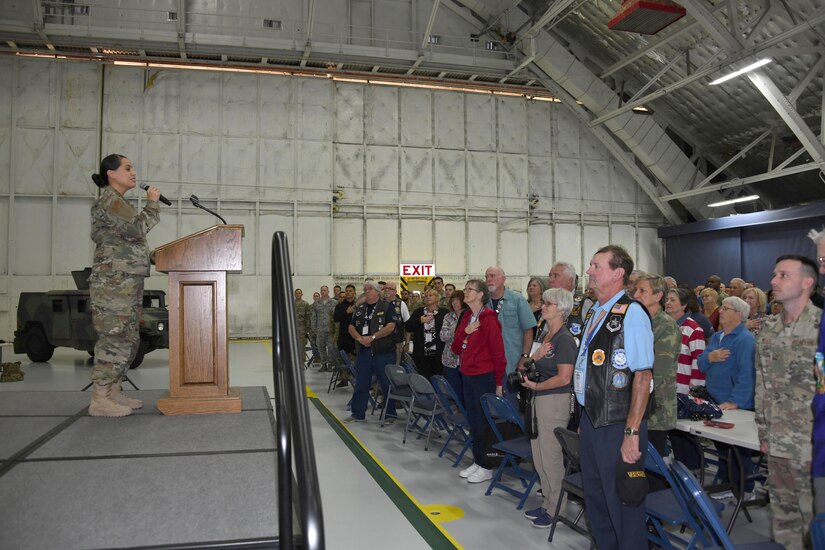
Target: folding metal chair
x,y
455,415
315,354
572,482
399,390
341,367
669,506
818,531
706,515
425,405
496,407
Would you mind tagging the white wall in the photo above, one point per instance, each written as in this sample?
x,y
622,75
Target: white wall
x,y
426,175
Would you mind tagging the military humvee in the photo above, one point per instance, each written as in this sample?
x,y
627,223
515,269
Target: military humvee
x,y
46,320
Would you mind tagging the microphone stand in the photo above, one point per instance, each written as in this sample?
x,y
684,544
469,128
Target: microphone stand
x,y
197,203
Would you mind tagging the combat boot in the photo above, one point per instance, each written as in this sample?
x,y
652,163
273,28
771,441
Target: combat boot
x,y
102,403
121,399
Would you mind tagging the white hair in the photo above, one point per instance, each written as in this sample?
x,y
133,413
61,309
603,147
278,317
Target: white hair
x,y
816,236
569,270
739,305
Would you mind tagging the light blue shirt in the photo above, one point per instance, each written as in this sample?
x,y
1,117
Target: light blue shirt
x,y
516,317
638,341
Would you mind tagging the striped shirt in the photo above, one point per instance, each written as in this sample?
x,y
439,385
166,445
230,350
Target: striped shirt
x,y
693,344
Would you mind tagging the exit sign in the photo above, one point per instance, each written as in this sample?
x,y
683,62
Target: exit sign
x,y
417,270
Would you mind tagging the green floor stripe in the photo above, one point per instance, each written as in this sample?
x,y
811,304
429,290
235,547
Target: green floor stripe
x,y
425,527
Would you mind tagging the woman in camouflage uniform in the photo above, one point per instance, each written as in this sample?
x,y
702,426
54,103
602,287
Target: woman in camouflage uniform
x,y
121,263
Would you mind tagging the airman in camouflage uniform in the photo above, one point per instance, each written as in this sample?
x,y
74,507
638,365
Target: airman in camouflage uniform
x,y
121,263
785,383
323,326
303,312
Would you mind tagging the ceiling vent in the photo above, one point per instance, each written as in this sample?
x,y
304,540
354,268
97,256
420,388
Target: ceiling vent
x,y
646,16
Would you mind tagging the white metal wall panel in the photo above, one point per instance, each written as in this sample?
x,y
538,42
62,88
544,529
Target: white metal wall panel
x,y
540,252
79,95
348,252
539,128
315,121
449,120
650,250
540,178
125,144
348,174
200,106
76,161
417,241
314,246
161,162
381,106
482,247
623,190
199,164
35,94
277,160
34,161
382,246
349,113
568,184
625,235
569,246
276,106
595,237
482,184
239,175
7,73
161,102
416,176
512,125
5,160
450,184
481,122
32,247
73,248
450,248
239,105
512,181
382,174
416,117
268,224
4,239
595,177
244,308
123,99
567,133
514,247
393,15
316,170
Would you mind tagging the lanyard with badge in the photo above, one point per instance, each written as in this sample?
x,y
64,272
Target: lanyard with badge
x,y
578,374
365,330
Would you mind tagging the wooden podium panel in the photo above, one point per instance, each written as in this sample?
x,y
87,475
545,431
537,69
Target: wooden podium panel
x,y
198,353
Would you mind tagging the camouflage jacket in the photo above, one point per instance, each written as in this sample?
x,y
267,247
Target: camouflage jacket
x,y
667,344
322,321
785,383
119,234
303,312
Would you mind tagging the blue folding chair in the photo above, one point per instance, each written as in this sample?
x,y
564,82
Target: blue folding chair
x,y
399,390
706,514
669,506
495,408
353,373
818,532
455,415
339,371
425,405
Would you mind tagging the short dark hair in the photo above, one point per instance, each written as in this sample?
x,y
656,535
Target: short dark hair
x,y
809,267
350,286
619,257
111,162
432,281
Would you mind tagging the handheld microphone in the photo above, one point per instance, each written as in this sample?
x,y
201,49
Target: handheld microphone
x,y
145,186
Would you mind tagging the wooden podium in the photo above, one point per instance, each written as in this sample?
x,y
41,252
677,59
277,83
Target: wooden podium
x,y
198,359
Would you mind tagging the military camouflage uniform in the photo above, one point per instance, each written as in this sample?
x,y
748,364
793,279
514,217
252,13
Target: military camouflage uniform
x,y
121,263
667,344
785,383
303,312
323,326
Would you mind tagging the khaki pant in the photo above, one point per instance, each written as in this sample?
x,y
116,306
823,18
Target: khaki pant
x,y
552,411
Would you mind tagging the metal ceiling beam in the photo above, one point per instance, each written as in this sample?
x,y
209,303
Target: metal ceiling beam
x,y
786,110
655,44
778,173
733,159
39,23
806,80
815,20
722,35
181,27
656,77
429,25
498,17
553,11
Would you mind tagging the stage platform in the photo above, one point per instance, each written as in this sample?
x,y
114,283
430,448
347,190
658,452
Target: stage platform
x,y
68,480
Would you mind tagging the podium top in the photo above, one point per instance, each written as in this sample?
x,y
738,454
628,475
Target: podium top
x,y
216,248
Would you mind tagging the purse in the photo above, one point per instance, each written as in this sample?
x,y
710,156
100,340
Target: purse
x,y
697,405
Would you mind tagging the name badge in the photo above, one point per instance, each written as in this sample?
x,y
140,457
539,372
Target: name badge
x,y
578,381
365,330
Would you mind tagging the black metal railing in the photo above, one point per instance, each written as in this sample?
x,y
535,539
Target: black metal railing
x,y
292,413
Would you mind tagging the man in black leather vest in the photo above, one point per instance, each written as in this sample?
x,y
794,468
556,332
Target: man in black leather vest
x,y
372,326
612,381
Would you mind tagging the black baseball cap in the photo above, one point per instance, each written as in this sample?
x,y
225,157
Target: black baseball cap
x,y
631,482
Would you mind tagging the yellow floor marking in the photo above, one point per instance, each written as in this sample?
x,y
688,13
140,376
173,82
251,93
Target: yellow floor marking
x,y
443,512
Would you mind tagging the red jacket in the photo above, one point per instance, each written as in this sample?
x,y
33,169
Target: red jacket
x,y
484,351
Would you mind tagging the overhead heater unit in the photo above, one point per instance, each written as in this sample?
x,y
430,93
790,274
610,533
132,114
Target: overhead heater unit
x,y
646,16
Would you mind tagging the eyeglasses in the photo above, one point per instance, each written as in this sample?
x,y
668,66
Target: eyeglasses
x,y
821,261
727,308
548,304
468,289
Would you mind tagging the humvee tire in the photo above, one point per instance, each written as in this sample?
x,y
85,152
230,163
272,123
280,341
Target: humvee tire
x,y
38,348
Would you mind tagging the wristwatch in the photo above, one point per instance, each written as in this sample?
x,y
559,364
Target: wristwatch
x,y
630,431
526,355
373,338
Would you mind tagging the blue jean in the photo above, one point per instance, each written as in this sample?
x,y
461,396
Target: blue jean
x,y
454,377
614,525
474,388
365,366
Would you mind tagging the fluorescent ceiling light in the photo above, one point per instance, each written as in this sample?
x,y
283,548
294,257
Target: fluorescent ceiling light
x,y
733,201
743,70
